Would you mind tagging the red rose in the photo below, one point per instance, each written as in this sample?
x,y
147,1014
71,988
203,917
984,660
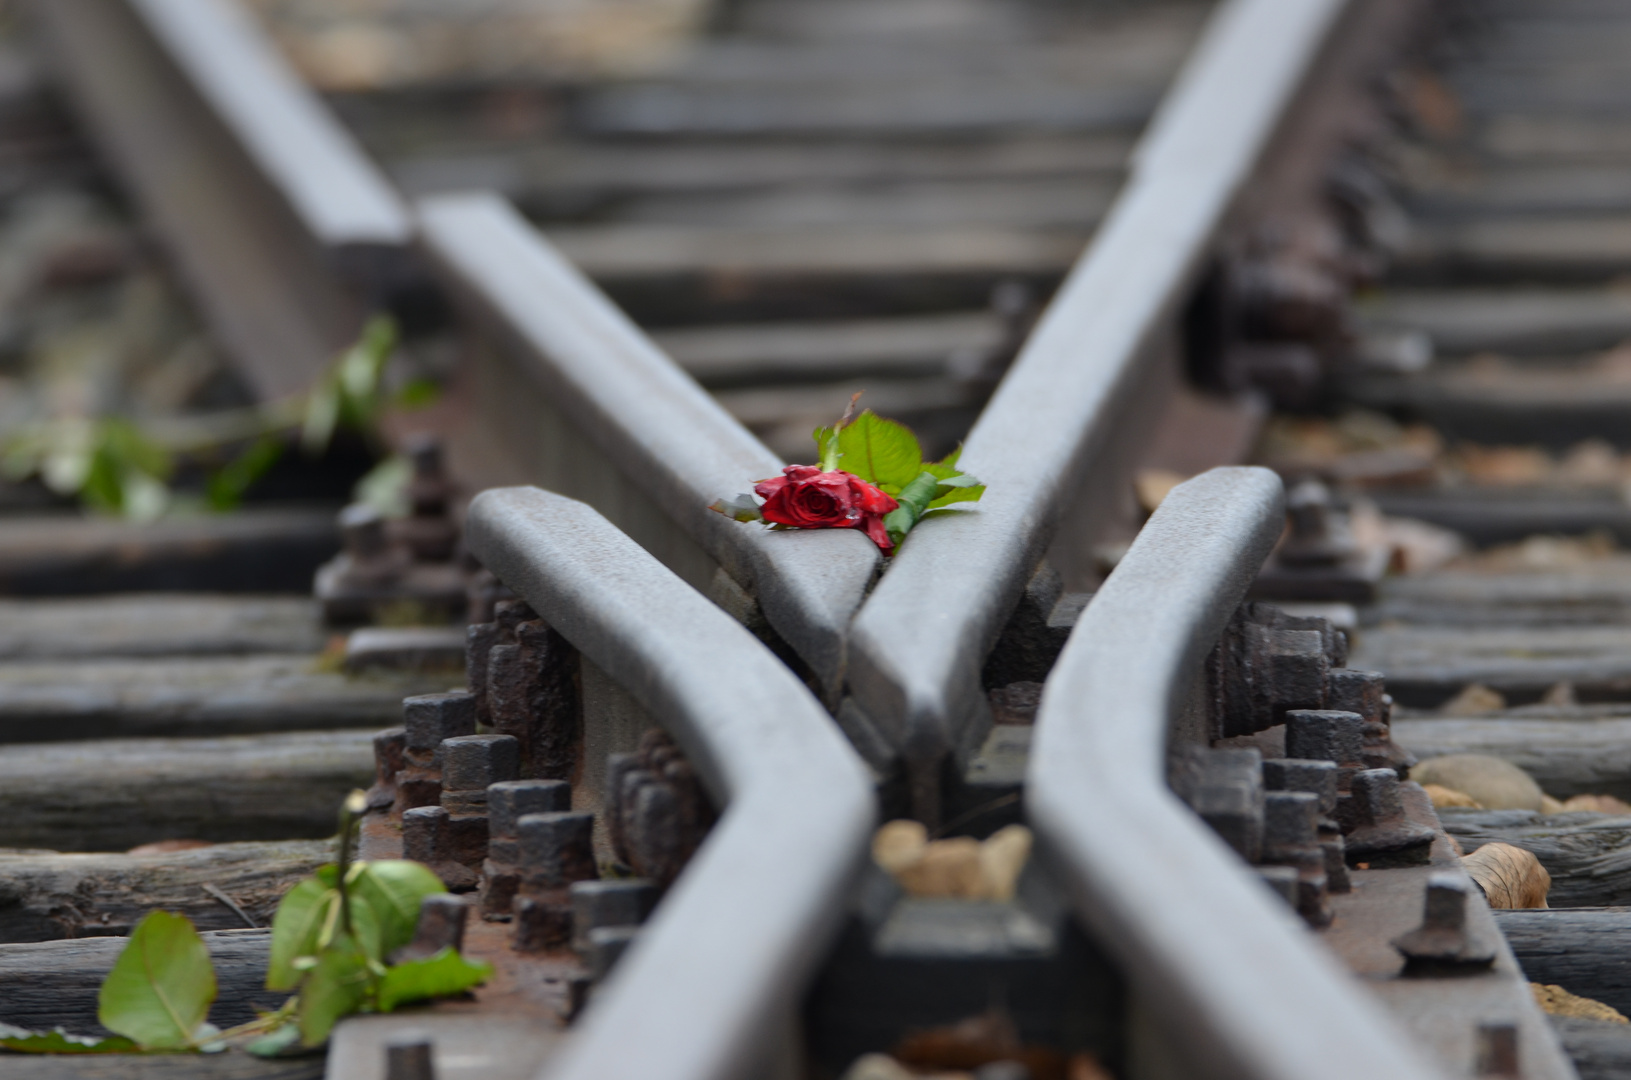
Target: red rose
x,y
807,498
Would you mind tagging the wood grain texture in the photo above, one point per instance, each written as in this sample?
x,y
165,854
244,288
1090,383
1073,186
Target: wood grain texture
x,y
65,698
54,983
1588,855
116,794
232,1065
1566,757
45,895
158,624
1583,950
1600,1050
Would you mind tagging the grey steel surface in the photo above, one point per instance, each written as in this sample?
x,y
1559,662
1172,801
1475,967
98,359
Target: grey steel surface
x,y
284,232
919,642
616,423
1249,990
730,948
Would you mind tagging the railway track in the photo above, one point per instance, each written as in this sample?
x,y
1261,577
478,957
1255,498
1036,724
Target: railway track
x,y
1369,245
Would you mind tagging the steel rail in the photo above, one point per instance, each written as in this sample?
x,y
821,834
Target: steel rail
x,y
918,643
1259,996
283,230
600,413
732,944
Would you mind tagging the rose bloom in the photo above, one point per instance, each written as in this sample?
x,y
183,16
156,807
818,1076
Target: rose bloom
x,y
807,498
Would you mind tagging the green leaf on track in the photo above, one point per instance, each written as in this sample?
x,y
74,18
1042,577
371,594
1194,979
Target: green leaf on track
x,y
880,452
444,974
227,486
161,987
958,493
336,986
392,889
56,1041
298,926
284,1042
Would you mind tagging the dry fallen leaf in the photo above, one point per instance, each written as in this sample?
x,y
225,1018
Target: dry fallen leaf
x,y
1444,797
1559,1002
1510,876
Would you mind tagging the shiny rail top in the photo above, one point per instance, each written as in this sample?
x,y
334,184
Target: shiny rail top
x,y
919,642
615,422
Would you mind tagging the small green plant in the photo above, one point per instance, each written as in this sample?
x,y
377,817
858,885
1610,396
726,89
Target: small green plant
x,y
118,467
332,941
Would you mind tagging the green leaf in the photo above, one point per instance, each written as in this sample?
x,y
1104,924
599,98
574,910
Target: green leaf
x,y
350,393
227,486
417,394
160,988
58,1041
322,416
441,975
955,486
393,890
337,986
385,487
741,508
880,452
284,1042
958,494
297,926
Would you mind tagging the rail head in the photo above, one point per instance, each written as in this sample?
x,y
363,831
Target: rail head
x,y
736,938
1260,997
658,427
336,193
281,230
919,642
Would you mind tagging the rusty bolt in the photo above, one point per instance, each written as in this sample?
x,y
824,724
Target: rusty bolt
x,y
479,639
442,918
476,762
1336,861
1362,692
1325,735
388,747
1318,778
509,800
1497,1050
512,613
620,902
1376,796
1225,788
408,1056
1443,941
1290,822
428,719
1291,836
1377,827
556,849
362,531
389,759
1320,535
424,831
